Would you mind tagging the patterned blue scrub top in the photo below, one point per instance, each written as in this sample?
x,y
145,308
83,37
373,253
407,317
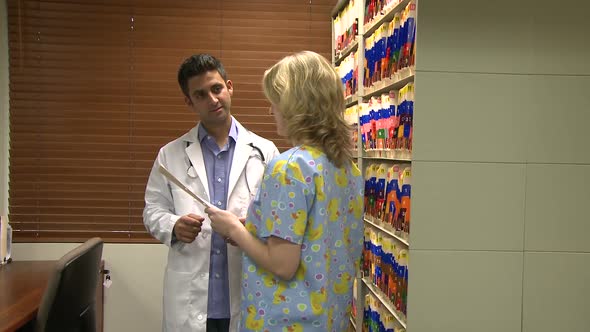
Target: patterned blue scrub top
x,y
305,199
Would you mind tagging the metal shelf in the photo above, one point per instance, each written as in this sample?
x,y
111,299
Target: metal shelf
x,y
350,100
338,7
401,160
353,323
388,16
388,232
383,299
402,78
346,51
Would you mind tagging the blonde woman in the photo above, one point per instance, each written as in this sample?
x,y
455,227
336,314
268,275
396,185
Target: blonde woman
x,y
303,233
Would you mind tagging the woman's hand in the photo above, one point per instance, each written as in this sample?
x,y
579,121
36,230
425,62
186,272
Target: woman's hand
x,y
279,256
223,222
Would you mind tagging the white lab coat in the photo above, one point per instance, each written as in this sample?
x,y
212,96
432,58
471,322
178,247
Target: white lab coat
x,y
186,279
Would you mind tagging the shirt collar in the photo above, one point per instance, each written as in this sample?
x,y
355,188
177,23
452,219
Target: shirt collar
x,y
233,131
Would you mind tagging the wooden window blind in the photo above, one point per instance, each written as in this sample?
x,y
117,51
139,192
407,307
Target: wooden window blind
x,y
93,96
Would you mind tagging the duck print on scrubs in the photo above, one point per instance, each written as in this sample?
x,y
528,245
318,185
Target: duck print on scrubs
x,y
306,200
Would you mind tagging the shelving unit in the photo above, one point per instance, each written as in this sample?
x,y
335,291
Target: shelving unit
x,y
396,83
384,85
350,101
398,160
388,232
385,17
386,303
352,322
346,51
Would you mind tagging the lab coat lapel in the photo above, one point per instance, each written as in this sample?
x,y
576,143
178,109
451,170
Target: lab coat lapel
x,y
195,155
241,154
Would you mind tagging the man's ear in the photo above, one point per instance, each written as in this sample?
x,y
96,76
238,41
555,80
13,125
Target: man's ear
x,y
188,101
230,87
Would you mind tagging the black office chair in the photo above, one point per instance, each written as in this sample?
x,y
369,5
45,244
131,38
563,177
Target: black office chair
x,y
68,304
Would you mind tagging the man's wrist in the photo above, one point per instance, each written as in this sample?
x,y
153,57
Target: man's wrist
x,y
173,239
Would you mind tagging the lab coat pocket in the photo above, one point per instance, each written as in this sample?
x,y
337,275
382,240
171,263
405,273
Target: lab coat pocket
x,y
176,299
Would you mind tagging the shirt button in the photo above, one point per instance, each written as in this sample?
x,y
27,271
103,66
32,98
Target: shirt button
x,y
200,317
205,236
218,203
218,179
216,275
218,251
219,156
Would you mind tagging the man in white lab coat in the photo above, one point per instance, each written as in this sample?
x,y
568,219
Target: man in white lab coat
x,y
223,162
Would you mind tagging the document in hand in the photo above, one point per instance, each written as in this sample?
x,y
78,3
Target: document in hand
x,y
181,185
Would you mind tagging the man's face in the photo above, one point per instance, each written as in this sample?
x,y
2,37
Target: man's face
x,y
210,97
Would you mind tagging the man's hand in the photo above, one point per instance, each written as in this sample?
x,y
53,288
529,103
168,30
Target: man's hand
x,y
188,227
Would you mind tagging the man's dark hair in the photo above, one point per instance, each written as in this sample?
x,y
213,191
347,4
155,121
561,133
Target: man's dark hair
x,y
196,65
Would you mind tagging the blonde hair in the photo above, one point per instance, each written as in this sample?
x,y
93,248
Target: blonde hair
x,y
309,95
